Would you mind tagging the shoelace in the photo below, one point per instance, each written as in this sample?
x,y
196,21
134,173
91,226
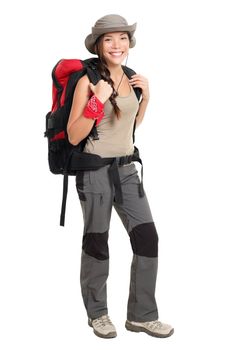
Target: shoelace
x,y
154,325
102,321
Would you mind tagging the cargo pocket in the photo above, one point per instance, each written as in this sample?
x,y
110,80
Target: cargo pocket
x,y
96,198
88,189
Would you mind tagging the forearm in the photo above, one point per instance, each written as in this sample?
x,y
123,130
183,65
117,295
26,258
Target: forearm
x,y
79,129
141,111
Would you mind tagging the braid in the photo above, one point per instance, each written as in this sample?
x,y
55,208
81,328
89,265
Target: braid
x,y
105,74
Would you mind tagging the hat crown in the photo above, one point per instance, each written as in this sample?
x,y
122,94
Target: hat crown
x,y
110,21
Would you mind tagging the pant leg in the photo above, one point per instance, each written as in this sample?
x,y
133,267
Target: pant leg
x,y
95,194
136,216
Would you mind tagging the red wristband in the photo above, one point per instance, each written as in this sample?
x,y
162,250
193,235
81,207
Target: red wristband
x,y
94,109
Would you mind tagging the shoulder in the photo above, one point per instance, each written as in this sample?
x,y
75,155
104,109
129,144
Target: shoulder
x,y
84,81
82,85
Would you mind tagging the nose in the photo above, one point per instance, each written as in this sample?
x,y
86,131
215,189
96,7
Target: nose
x,y
116,43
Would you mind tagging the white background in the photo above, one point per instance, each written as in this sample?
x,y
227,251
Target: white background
x,y
185,50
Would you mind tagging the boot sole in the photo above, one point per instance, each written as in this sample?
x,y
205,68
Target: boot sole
x,y
133,328
100,335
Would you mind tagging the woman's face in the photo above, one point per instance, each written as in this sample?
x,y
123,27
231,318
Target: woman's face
x,y
115,47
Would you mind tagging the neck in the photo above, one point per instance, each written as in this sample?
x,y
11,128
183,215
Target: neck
x,y
115,70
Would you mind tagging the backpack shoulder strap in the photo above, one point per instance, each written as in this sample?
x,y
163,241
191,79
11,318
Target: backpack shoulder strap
x,y
92,71
129,72
138,92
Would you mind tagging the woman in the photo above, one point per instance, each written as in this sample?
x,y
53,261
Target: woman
x,y
113,105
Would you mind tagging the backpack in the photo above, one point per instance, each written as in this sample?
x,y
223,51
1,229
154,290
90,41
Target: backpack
x,y
63,157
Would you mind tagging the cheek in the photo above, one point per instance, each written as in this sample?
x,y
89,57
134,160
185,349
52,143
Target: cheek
x,y
106,49
126,46
106,45
126,50
105,53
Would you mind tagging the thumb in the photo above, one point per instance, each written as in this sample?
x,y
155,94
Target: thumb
x,y
91,86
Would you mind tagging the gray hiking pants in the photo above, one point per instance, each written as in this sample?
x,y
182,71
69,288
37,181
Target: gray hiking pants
x,y
97,197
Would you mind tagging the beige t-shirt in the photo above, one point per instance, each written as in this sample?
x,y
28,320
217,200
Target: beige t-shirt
x,y
115,135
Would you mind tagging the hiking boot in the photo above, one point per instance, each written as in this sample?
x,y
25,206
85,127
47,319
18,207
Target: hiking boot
x,y
154,328
103,327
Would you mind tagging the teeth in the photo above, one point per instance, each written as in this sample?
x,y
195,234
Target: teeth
x,y
117,54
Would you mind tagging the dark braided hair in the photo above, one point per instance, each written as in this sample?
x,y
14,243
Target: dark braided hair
x,y
105,74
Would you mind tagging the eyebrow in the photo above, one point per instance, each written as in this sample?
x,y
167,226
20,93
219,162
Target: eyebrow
x,y
110,35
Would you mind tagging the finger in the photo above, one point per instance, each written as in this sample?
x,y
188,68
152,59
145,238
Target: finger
x,y
134,81
138,80
135,76
141,86
141,83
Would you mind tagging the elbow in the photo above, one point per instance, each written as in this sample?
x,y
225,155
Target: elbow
x,y
73,143
71,138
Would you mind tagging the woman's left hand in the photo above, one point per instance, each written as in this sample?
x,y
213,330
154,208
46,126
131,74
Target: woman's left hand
x,y
140,81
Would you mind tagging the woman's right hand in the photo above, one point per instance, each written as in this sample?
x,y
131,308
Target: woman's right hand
x,y
102,90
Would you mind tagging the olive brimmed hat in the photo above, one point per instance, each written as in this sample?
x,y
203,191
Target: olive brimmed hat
x,y
109,24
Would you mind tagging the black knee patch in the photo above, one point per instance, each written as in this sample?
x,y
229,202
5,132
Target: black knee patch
x,y
144,240
96,245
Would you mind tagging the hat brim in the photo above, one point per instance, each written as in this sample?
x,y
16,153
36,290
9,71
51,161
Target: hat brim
x,y
97,32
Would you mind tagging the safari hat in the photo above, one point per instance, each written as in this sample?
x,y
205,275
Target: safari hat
x,y
109,24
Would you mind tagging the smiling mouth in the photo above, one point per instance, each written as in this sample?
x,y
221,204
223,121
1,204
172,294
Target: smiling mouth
x,y
116,54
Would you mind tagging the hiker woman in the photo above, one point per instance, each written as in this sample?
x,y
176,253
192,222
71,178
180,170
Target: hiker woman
x,y
112,104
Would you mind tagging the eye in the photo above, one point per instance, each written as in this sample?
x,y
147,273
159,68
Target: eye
x,y
124,37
